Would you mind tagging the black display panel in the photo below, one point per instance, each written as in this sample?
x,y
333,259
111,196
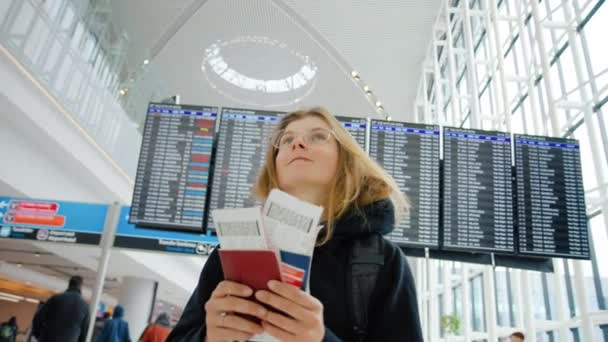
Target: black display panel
x,y
478,194
410,153
241,153
357,127
552,220
173,170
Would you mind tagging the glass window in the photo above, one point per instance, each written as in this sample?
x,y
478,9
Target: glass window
x,y
587,160
537,296
599,238
4,8
477,303
68,18
457,301
23,20
441,311
595,32
600,333
52,8
548,336
504,297
36,40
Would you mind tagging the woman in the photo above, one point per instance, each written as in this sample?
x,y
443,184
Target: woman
x,y
314,158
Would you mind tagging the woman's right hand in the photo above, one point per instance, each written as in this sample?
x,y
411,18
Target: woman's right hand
x,y
223,319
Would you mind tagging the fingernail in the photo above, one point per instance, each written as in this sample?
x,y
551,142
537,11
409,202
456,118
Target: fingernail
x,y
260,295
247,292
272,284
262,312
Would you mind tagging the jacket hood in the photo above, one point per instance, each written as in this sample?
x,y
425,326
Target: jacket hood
x,y
119,311
376,217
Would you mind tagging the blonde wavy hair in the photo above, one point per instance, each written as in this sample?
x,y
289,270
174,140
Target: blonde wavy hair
x,y
358,182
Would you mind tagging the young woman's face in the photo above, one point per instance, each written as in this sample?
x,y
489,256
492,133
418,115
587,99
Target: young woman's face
x,y
304,158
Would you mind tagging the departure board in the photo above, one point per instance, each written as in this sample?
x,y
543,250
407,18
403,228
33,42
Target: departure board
x,y
478,194
241,153
551,212
357,127
410,153
171,181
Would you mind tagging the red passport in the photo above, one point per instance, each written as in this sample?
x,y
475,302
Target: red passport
x,y
254,268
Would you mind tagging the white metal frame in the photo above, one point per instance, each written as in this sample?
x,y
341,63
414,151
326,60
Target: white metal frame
x,y
544,108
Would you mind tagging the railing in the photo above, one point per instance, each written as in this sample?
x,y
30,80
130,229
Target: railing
x,y
54,42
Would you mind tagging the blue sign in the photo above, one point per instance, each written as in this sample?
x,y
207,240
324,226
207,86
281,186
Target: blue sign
x,y
130,236
54,221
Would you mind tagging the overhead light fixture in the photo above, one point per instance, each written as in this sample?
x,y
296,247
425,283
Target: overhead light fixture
x,y
378,104
380,108
10,296
146,62
9,299
354,73
366,88
19,265
214,63
389,118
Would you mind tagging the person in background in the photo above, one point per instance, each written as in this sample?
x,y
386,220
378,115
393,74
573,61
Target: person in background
x,y
8,330
158,331
115,329
64,317
517,337
99,323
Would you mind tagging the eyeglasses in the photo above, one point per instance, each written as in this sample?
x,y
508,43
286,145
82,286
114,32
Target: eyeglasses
x,y
312,137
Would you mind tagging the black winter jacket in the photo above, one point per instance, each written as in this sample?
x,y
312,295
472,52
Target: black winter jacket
x,y
64,317
393,313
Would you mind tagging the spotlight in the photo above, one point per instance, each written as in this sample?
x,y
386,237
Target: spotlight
x,y
378,104
366,88
389,118
354,73
146,62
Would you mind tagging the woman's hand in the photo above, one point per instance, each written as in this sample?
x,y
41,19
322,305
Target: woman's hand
x,y
300,317
222,313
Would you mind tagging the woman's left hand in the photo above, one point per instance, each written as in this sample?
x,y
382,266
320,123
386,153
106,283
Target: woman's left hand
x,y
300,317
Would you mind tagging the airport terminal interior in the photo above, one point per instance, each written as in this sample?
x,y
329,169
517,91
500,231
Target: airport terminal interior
x,y
125,123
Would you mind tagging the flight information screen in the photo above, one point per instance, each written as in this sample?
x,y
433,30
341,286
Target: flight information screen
x,y
357,127
550,198
410,153
171,181
478,194
241,152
